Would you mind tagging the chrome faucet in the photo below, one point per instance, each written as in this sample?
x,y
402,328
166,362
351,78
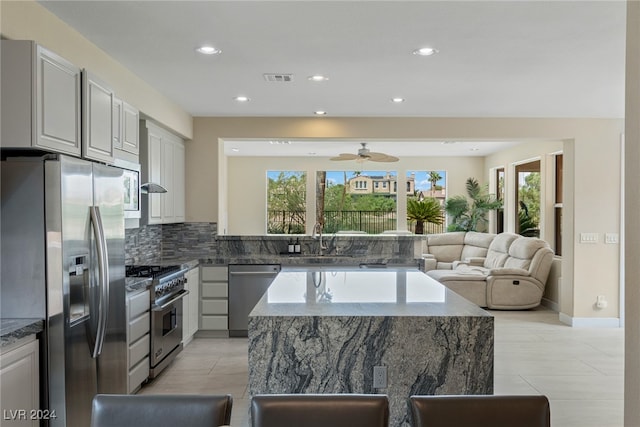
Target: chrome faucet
x,y
317,234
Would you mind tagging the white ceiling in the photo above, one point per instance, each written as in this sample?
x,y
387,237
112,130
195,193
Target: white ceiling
x,y
496,58
331,148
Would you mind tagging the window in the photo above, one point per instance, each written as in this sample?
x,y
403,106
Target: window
x,y
423,184
355,201
286,202
499,191
558,204
528,199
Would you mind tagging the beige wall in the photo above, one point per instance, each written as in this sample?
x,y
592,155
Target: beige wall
x,y
632,220
27,20
247,182
592,198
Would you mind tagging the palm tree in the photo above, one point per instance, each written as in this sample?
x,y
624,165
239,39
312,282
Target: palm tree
x,y
421,211
471,217
434,177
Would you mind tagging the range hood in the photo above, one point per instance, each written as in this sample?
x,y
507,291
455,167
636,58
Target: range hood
x,y
152,187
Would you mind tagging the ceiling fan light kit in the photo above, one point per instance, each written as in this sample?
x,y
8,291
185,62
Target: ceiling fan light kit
x,y
364,154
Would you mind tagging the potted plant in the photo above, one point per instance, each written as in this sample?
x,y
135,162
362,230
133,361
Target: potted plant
x,y
421,211
471,215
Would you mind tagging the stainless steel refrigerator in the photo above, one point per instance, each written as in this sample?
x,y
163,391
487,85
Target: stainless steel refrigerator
x,y
63,260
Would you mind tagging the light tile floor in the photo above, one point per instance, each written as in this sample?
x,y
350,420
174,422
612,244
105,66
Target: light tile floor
x,y
580,370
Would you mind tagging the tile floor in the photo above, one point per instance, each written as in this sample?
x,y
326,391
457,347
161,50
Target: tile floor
x,y
579,370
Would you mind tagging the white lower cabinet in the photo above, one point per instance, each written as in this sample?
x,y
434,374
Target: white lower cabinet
x,y
138,336
214,299
20,384
190,303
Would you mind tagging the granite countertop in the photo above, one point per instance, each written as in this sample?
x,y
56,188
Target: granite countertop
x,y
310,260
11,330
135,284
334,291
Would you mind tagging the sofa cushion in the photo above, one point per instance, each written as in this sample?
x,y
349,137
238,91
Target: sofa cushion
x,y
446,247
476,244
499,250
522,251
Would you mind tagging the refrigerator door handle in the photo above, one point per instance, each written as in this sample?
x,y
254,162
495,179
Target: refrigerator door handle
x,y
103,279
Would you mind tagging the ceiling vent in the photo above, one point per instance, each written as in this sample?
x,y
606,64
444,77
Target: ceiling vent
x,y
284,78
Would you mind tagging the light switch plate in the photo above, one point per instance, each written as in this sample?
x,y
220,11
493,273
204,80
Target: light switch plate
x,y
588,237
611,238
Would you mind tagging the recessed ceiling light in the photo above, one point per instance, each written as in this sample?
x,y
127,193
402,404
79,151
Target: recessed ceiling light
x,y
277,142
312,153
449,142
318,78
235,150
209,50
320,113
241,98
474,149
397,100
425,51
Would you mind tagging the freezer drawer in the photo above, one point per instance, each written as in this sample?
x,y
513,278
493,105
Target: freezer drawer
x,y
247,284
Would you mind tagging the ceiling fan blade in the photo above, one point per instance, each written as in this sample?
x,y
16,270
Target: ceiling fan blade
x,y
382,157
344,156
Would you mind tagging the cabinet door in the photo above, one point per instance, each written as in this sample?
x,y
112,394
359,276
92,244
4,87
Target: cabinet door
x,y
178,181
97,138
130,135
168,211
57,104
19,383
194,278
154,174
117,121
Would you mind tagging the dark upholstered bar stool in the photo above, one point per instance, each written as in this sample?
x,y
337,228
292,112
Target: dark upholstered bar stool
x,y
480,411
320,410
160,410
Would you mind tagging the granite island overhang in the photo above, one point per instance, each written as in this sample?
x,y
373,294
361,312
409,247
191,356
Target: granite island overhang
x,y
324,329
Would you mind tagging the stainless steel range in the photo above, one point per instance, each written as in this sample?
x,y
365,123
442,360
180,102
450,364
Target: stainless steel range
x,y
166,312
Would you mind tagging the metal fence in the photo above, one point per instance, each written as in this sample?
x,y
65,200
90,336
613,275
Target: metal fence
x,y
370,222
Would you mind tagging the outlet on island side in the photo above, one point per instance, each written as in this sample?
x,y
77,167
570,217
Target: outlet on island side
x,y
379,377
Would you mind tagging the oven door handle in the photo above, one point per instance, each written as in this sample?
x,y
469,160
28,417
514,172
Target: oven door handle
x,y
183,293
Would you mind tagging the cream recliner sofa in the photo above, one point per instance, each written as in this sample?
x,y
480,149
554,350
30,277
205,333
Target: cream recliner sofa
x,y
510,276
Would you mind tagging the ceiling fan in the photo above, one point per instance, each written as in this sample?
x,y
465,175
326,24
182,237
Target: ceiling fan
x,y
365,154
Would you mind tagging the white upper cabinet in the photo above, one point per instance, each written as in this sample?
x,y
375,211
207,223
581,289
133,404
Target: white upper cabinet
x,y
97,135
125,131
163,162
130,131
41,101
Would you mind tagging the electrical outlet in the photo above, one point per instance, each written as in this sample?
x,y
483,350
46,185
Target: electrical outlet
x,y
379,377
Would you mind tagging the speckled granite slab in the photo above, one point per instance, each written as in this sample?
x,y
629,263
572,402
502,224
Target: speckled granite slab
x,y
11,330
438,343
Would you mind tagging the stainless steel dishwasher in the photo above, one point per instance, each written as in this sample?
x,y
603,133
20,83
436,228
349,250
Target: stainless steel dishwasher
x,y
247,284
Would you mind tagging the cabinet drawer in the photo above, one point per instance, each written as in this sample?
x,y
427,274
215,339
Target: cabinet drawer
x,y
138,327
214,307
138,350
139,303
215,274
138,374
214,322
215,290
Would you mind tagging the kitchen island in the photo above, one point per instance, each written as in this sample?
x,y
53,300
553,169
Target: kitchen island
x,y
324,329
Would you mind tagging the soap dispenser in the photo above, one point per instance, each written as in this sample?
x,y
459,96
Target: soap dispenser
x,y
291,248
296,247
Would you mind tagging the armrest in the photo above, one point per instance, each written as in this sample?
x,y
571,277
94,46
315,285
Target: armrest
x,y
475,260
429,262
428,256
508,272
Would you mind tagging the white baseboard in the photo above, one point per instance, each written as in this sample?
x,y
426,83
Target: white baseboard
x,y
590,322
